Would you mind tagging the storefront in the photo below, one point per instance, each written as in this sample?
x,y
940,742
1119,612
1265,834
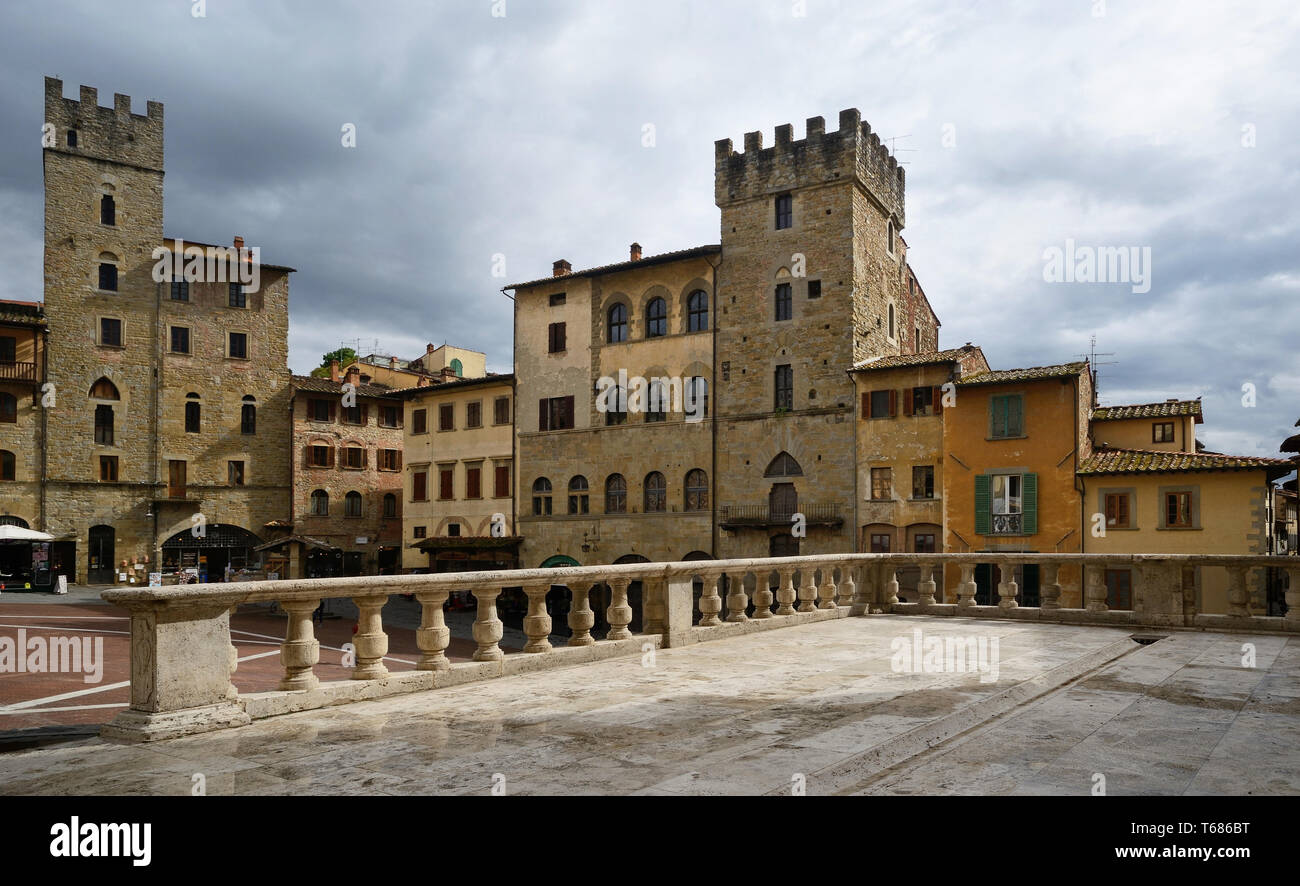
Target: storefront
x,y
224,552
24,558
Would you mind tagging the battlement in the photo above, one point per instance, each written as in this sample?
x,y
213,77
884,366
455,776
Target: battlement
x,y
852,151
114,134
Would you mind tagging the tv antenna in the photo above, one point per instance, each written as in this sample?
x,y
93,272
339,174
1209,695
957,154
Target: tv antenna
x,y
1093,362
896,150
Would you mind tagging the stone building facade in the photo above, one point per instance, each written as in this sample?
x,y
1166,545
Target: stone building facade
x,y
167,442
347,479
23,334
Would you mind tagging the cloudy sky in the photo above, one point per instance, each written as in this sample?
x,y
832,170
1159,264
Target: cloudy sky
x,y
1168,125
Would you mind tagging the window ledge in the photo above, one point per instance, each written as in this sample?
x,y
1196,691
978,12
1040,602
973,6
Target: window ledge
x,y
996,439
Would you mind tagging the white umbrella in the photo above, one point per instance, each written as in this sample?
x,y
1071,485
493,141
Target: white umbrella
x,y
17,533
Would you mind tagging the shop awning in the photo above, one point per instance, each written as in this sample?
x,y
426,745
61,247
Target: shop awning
x,y
306,540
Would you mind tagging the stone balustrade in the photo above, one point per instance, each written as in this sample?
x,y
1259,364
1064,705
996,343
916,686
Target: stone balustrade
x,y
182,657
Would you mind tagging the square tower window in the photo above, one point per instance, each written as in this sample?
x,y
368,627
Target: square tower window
x,y
784,212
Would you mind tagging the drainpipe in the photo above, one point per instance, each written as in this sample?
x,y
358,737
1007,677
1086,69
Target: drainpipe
x,y
45,453
514,436
714,534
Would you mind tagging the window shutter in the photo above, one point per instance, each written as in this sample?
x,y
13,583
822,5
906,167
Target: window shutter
x,y
999,426
365,458
543,414
937,398
399,459
866,405
908,406
893,402
1015,416
568,412
1029,503
559,336
306,456
983,503
332,404
365,413
330,463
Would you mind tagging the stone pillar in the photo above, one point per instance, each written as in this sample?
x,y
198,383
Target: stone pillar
x,y
537,623
848,588
710,603
967,589
926,588
737,599
763,596
301,650
619,613
581,618
891,586
1095,583
652,606
1051,589
232,693
1007,590
1292,617
487,627
1238,594
826,592
679,599
785,595
808,590
864,592
371,641
433,635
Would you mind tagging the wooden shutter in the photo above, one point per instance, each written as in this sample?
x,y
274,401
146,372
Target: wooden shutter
x,y
332,404
502,481
998,428
1015,417
473,482
983,503
365,413
399,459
365,457
908,405
306,456
866,405
330,462
543,414
568,413
893,403
1029,503
937,399
445,483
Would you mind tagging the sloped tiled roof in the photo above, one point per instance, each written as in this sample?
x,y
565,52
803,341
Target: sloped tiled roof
x,y
1150,461
22,313
662,258
329,386
436,387
900,361
1033,373
1168,409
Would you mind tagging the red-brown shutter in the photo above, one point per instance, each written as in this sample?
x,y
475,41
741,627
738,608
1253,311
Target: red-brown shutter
x,y
502,481
445,482
330,461
866,405
937,397
306,456
543,414
332,404
365,413
399,459
893,402
907,402
365,458
568,412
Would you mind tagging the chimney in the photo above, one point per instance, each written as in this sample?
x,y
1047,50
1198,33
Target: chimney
x,y
354,375
393,363
334,370
239,242
423,381
448,374
636,252
429,349
561,268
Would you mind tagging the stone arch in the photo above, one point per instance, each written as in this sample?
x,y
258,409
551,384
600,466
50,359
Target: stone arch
x,y
608,305
682,323
657,290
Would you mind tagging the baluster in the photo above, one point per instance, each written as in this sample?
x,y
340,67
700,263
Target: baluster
x,y
433,635
808,590
370,642
967,590
1050,595
1095,582
581,618
487,627
301,649
1008,589
848,588
865,591
653,606
537,623
1238,597
926,587
826,593
1292,617
891,586
763,595
619,613
737,599
710,603
785,595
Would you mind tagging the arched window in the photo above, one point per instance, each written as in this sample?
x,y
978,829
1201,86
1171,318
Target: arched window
x,y
104,390
891,237
697,311
107,211
352,504
192,413
616,406
107,272
783,465
8,407
657,408
7,465
320,503
579,500
104,425
541,497
615,494
891,321
248,415
390,505
697,490
458,368
656,318
618,323
656,492
697,398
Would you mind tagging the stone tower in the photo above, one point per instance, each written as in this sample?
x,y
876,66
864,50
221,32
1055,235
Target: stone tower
x,y
121,432
811,282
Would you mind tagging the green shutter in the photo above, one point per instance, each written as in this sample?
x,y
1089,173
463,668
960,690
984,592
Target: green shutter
x,y
1029,503
983,485
998,425
1015,416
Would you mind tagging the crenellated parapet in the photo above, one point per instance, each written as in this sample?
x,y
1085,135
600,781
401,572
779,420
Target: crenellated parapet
x,y
853,150
114,134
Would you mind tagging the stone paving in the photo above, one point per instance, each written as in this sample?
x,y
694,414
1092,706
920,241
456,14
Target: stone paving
x,y
817,705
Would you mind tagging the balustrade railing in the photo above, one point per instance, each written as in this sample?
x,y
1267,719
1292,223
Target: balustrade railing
x,y
182,657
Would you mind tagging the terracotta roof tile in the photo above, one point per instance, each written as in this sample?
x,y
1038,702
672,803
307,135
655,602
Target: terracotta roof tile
x,y
903,360
1167,409
1033,373
1150,461
648,260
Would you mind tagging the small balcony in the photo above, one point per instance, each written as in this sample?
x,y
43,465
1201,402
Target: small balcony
x,y
764,516
17,371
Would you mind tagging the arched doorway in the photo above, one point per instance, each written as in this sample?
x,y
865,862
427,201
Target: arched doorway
x,y
222,545
100,557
